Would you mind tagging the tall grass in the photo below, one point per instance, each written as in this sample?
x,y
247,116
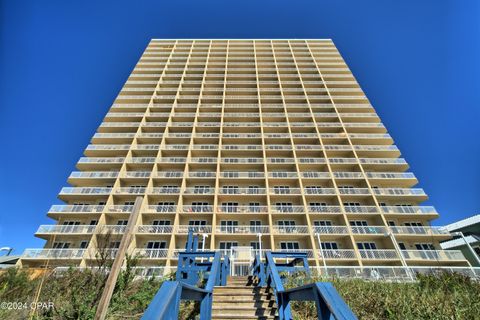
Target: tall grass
x,y
434,296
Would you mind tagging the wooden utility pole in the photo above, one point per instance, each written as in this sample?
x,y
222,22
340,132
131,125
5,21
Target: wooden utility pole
x,y
117,263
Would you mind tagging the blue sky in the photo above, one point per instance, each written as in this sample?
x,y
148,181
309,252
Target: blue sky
x,y
63,62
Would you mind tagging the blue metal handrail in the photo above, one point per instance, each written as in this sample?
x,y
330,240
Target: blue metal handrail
x,y
166,302
327,300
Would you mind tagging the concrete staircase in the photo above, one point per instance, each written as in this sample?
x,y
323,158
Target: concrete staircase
x,y
242,299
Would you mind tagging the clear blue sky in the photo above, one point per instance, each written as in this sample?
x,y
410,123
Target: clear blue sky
x,y
63,62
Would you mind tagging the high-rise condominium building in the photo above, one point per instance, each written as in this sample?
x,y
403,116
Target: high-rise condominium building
x,y
254,145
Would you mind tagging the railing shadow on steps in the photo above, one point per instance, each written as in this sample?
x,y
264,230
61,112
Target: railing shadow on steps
x,y
329,304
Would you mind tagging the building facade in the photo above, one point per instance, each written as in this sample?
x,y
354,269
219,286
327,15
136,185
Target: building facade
x,y
259,144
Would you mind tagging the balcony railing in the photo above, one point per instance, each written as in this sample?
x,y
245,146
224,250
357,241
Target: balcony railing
x,y
162,208
69,229
368,229
241,191
378,254
53,253
337,254
151,253
409,209
198,208
330,229
436,255
242,209
287,209
419,230
290,229
155,229
85,191
242,229
87,208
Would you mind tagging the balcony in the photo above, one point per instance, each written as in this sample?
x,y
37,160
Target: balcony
x,y
86,191
287,209
162,209
285,191
53,253
242,209
249,230
130,190
337,254
419,230
342,230
154,229
121,208
433,255
197,209
402,210
65,229
151,253
290,229
112,229
82,208
378,254
371,230
241,191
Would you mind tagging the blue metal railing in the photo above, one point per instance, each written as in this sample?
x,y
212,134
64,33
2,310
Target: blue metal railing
x,y
194,268
328,302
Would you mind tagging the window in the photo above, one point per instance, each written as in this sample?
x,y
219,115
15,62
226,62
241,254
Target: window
x,y
289,245
424,246
201,207
229,206
61,245
254,206
201,189
161,222
156,244
227,245
129,203
93,222
253,190
352,204
391,223
122,222
228,226
322,223
169,189
230,190
281,189
165,206
366,245
313,190
71,223
255,245
284,206
358,223
197,222
329,246
114,244
231,174
317,206
83,244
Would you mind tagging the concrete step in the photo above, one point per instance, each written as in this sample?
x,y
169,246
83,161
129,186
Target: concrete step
x,y
245,311
241,299
253,304
239,291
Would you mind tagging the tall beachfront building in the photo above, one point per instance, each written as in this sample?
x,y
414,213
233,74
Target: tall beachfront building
x,y
254,145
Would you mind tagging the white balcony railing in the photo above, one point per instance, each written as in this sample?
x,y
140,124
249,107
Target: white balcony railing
x,y
337,254
330,229
53,253
435,255
65,229
378,254
419,230
290,229
76,208
368,229
242,229
151,253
